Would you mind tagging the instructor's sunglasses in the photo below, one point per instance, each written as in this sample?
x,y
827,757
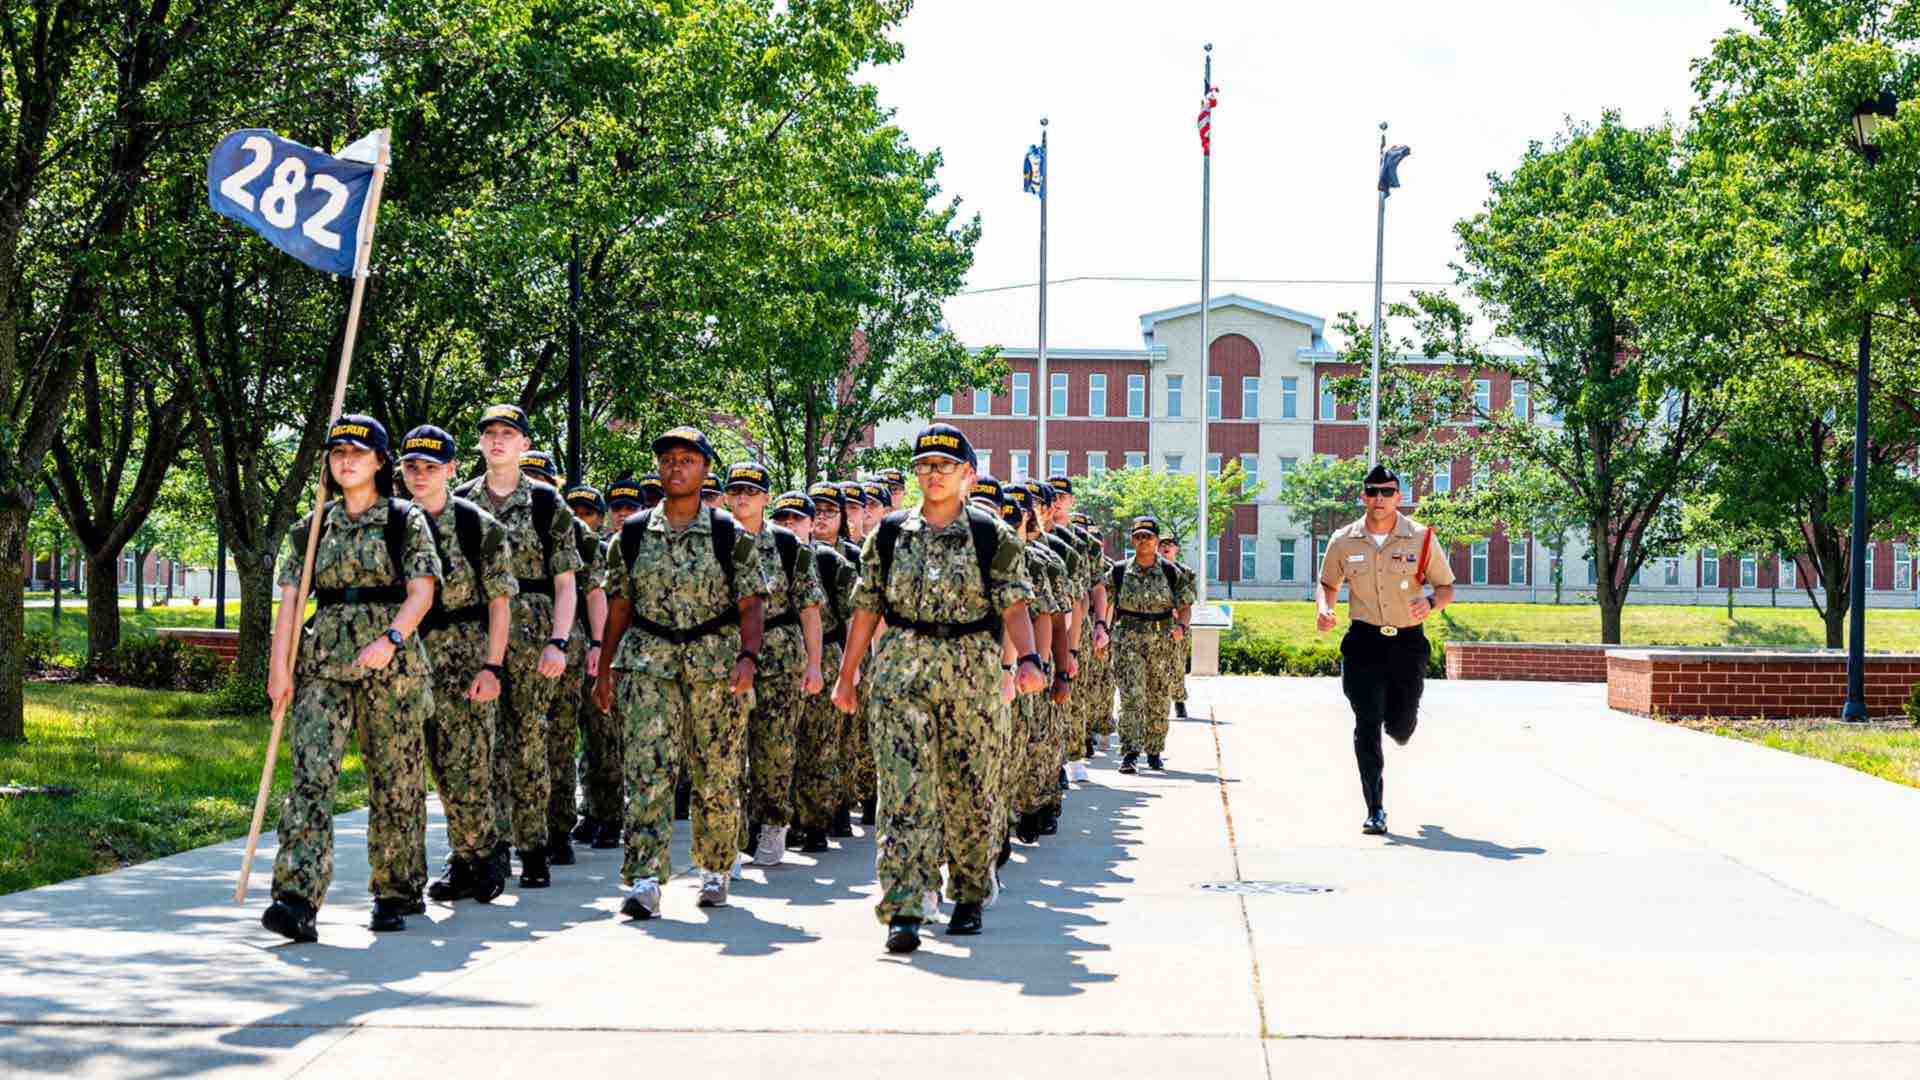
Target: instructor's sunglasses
x,y
1377,492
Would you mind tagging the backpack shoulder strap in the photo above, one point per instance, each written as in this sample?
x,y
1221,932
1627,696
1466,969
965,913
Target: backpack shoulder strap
x,y
888,534
1173,579
466,528
545,502
396,536
986,544
585,542
725,529
1119,572
789,547
630,537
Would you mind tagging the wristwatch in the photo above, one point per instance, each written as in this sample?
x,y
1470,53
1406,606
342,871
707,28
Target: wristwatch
x,y
558,643
1034,657
593,643
396,637
746,655
497,669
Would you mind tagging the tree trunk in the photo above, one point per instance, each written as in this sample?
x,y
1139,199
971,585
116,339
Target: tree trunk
x,y
139,581
56,586
173,570
13,619
1839,601
1611,605
103,607
256,614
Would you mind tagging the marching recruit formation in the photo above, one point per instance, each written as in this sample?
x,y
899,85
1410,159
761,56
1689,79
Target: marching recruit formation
x,y
588,667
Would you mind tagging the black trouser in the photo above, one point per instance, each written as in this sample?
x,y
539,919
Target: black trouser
x,y
1382,677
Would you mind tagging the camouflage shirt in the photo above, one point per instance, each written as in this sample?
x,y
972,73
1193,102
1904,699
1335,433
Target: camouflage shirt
x,y
460,649
532,612
838,591
936,577
591,575
786,646
353,553
1073,561
675,581
1044,569
1144,589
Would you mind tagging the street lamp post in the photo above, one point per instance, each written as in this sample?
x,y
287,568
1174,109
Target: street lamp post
x,y
1868,117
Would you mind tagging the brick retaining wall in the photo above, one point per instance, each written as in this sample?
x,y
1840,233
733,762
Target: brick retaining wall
x,y
1529,660
1743,682
226,643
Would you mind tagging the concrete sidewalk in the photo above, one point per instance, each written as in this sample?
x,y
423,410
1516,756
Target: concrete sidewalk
x,y
1567,892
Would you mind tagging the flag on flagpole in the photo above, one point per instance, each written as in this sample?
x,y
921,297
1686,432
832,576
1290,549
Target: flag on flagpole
x,y
1390,167
1207,101
1033,171
312,205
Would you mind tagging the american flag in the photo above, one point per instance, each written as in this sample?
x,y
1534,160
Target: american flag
x,y
1207,102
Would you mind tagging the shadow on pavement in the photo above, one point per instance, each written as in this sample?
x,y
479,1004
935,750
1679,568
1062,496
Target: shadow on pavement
x,y
1437,838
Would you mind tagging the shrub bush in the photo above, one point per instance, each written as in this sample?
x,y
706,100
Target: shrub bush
x,y
161,663
1913,705
1245,654
41,650
240,697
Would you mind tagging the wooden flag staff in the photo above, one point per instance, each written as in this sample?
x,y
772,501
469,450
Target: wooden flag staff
x,y
361,258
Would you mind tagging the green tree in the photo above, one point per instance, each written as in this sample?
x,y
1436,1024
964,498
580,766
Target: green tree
x,y
1321,493
1117,496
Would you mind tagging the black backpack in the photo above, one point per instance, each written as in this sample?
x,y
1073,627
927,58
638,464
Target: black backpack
x,y
725,529
546,501
828,563
986,544
394,535
1120,571
466,531
788,544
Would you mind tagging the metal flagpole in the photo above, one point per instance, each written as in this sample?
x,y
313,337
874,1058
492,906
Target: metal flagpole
x,y
1206,293
1379,269
1046,182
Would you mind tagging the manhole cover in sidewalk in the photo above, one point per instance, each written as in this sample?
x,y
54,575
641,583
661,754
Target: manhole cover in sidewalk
x,y
1265,888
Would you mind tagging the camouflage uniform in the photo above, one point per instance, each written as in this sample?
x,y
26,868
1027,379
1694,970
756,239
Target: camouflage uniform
x,y
566,716
1040,763
817,781
459,734
674,702
1065,541
933,701
1100,689
521,782
605,780
386,710
1180,658
1143,650
773,728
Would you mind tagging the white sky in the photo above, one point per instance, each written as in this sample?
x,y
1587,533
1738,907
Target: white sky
x,y
1302,89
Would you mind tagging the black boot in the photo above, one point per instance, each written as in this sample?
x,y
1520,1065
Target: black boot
x,y
682,799
415,906
1091,749
1154,762
1064,784
607,834
387,916
490,878
870,811
753,837
813,840
1006,852
1028,828
842,826
533,870
903,935
456,882
500,863
559,852
965,920
585,831
1050,821
1180,709
292,918
1127,763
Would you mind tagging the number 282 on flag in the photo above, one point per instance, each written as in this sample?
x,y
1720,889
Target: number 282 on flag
x,y
307,203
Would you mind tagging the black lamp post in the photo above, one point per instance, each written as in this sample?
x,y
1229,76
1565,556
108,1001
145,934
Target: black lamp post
x,y
1868,117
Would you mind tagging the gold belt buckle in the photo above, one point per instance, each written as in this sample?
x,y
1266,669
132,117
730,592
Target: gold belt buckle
x,y
1389,631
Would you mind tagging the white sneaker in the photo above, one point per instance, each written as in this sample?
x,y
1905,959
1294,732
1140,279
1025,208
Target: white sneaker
x,y
713,889
1077,772
643,899
772,846
930,906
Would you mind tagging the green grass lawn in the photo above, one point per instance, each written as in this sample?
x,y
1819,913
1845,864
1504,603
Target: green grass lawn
x,y
1888,629
157,773
1888,750
73,621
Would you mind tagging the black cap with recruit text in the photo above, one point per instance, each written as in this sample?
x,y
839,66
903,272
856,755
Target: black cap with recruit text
x,y
876,492
538,461
944,441
650,484
825,492
893,478
623,492
747,474
1042,492
1061,483
711,485
792,503
357,429
986,487
509,414
586,497
684,436
1380,474
1145,523
427,443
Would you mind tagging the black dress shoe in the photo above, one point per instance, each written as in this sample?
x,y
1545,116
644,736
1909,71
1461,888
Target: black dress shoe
x,y
965,920
842,826
1376,824
387,916
903,935
1127,764
454,883
607,834
292,918
559,852
533,870
1028,828
585,830
1154,762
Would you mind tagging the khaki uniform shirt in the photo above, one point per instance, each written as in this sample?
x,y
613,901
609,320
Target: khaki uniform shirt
x,y
1380,580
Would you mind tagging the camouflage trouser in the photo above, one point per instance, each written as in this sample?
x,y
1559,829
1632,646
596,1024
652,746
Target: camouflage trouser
x,y
772,734
1007,797
1099,690
388,715
816,778
1179,659
565,717
459,741
708,725
1074,720
1043,756
521,784
938,727
1140,663
605,781
861,748
643,707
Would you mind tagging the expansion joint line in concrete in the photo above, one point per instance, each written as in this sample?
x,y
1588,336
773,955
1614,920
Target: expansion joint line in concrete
x,y
1233,849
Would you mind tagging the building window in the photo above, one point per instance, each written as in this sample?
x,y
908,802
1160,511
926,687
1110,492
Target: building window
x,y
1289,396
1250,398
1176,462
1057,394
1902,568
1670,567
1022,389
1593,571
1096,462
1213,558
1516,563
1286,559
1056,463
1789,572
1213,397
983,403
1136,459
1483,396
1250,467
1709,569
1479,564
1329,405
1286,466
1136,396
986,461
1479,474
1175,385
1249,559
1522,399
943,405
1022,460
1749,572
1443,479
1872,550
1213,465
1097,394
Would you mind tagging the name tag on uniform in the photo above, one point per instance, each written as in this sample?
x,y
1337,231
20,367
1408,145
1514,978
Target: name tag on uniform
x,y
1356,558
